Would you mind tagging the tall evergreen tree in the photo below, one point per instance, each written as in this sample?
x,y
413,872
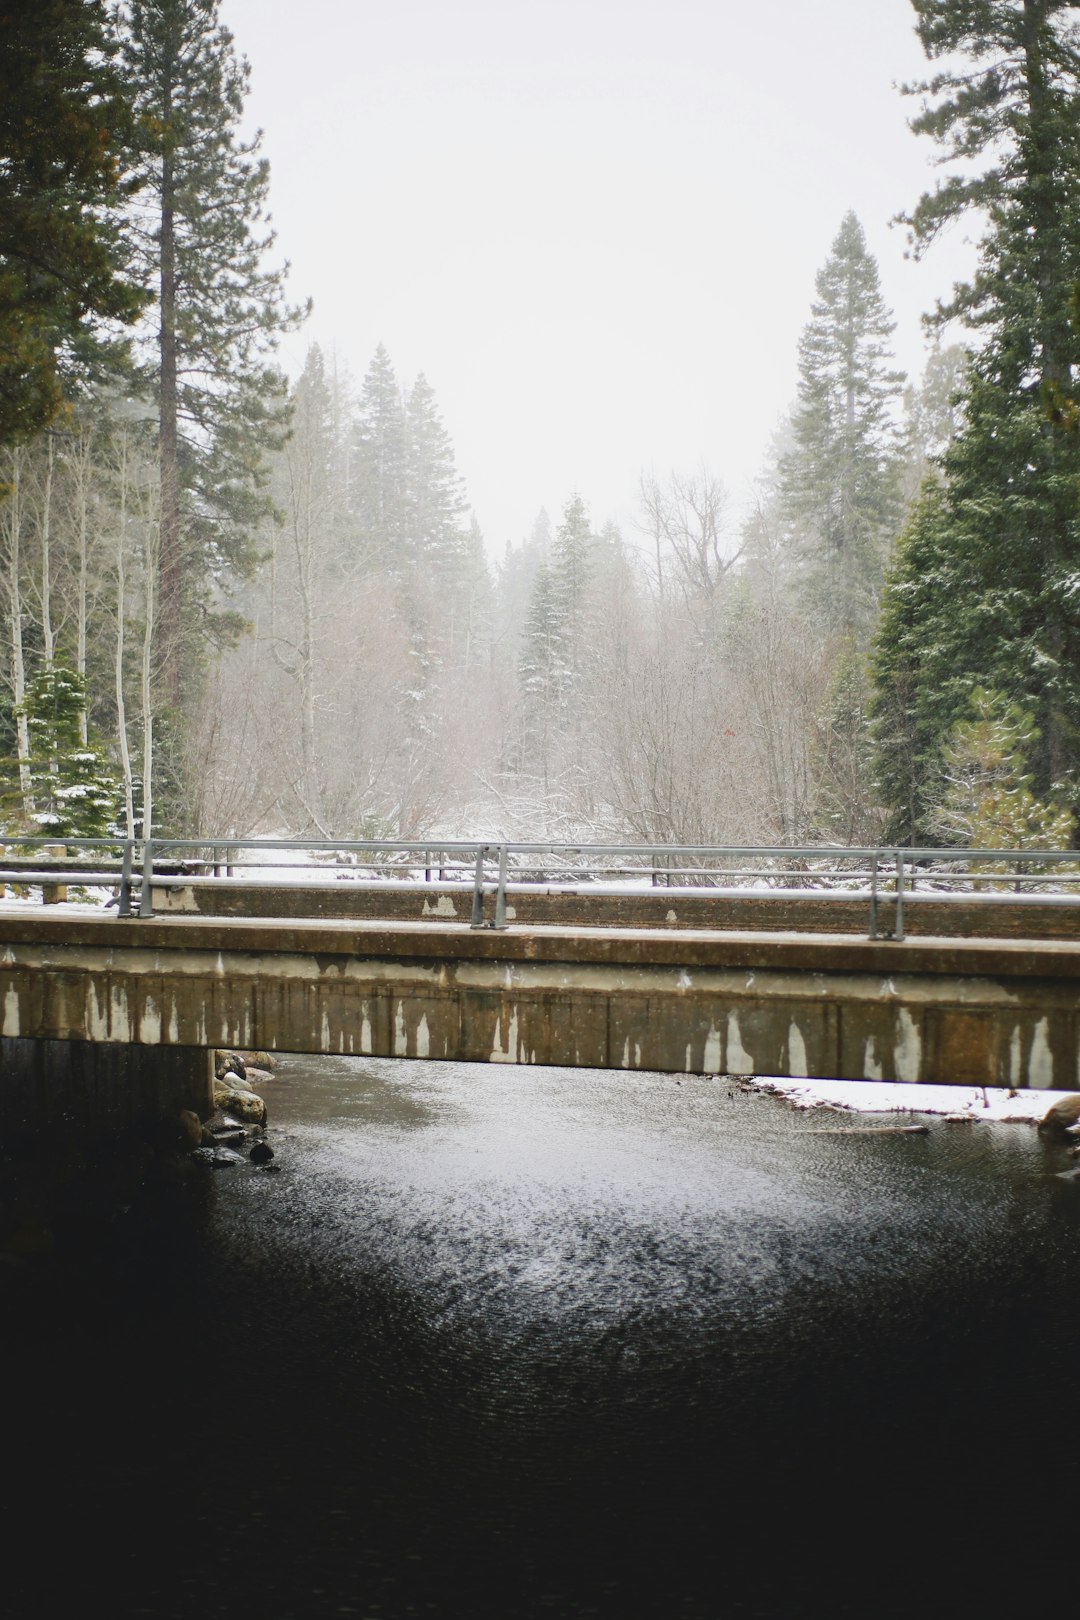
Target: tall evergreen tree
x,y
65,786
306,554
202,239
64,127
379,466
555,652
1001,542
542,674
471,600
933,412
840,480
435,501
572,568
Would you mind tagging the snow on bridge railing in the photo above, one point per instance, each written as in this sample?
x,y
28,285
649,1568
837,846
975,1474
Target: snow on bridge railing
x,y
886,876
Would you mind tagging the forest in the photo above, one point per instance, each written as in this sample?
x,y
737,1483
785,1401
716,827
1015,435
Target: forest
x,y
244,604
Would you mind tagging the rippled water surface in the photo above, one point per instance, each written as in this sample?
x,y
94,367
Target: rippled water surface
x,y
526,1342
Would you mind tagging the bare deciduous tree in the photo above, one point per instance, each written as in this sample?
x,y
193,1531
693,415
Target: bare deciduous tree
x,y
684,518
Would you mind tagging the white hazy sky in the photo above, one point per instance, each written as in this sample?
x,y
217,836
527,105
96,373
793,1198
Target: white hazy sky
x,y
593,224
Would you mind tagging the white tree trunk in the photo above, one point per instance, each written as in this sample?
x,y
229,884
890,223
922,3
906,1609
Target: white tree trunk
x,y
12,509
47,635
121,614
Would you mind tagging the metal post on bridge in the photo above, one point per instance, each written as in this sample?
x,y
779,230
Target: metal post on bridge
x,y
123,908
500,897
873,895
898,930
478,889
500,891
146,897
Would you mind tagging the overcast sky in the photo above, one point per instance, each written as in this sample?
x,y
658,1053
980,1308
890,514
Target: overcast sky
x,y
593,224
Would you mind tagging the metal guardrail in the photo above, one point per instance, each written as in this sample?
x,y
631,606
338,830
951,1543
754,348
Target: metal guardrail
x,y
885,877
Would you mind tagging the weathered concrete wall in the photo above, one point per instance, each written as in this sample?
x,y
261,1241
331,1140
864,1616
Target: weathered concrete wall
x,y
826,1006
95,1088
958,916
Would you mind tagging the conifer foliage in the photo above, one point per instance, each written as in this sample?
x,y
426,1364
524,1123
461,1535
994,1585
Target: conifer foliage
x,y
64,124
986,592
987,802
66,787
840,480
379,465
201,242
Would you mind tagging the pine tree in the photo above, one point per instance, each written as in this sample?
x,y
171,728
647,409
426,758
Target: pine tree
x,y
988,591
555,653
305,562
986,800
379,468
846,811
933,414
201,240
471,600
64,127
840,481
571,573
916,688
435,501
542,673
72,792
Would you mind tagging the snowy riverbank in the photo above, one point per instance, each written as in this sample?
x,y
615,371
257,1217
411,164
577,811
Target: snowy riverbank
x,y
885,1097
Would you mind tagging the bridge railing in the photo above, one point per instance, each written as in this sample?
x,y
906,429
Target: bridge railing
x,y
54,865
886,878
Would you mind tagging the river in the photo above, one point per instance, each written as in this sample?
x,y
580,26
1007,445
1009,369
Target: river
x,y
498,1343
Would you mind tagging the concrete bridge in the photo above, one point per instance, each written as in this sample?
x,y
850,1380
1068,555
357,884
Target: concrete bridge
x,y
795,1003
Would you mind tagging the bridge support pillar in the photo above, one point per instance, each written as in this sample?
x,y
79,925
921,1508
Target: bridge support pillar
x,y
94,1088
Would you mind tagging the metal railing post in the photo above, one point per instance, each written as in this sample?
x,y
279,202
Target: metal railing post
x,y
123,908
146,898
898,930
500,897
478,889
873,896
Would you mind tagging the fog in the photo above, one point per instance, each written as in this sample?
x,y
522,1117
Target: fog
x,y
595,227
569,508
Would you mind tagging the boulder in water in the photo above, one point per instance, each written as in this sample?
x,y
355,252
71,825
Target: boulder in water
x,y
229,1063
246,1107
189,1128
258,1060
216,1158
1061,1114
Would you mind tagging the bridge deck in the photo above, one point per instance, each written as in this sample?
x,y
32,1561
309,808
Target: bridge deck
x,y
928,912
831,1005
800,949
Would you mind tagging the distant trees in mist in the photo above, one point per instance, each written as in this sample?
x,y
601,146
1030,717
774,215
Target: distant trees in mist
x,y
240,604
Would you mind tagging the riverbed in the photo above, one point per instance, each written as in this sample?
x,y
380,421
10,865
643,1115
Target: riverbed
x,y
506,1343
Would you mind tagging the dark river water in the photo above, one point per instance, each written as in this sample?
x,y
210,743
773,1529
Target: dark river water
x,y
502,1343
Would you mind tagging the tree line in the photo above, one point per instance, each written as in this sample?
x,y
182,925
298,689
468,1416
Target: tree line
x,y
242,604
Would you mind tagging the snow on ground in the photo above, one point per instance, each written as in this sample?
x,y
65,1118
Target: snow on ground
x,y
96,901
893,1097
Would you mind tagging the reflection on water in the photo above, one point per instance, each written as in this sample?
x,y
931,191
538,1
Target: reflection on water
x,y
508,1342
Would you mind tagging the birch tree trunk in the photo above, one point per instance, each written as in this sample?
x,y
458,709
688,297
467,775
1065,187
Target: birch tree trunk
x,y
151,546
123,470
82,471
13,516
48,638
